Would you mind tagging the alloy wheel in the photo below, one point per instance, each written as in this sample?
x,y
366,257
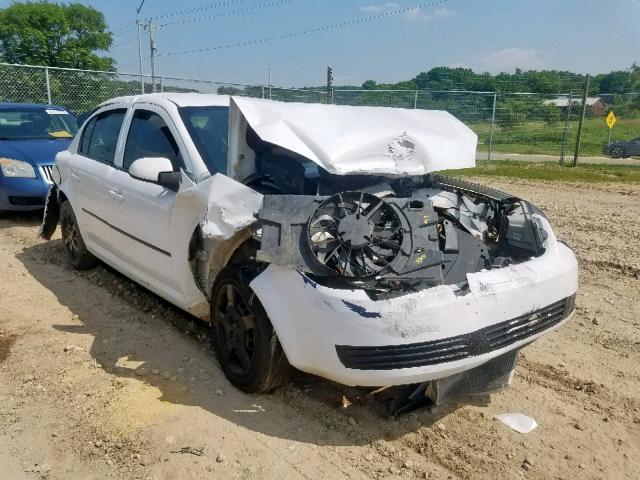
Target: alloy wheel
x,y
70,236
235,322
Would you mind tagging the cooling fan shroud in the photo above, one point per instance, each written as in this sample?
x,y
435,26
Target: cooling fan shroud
x,y
357,235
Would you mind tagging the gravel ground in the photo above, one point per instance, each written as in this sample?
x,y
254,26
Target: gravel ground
x,y
101,379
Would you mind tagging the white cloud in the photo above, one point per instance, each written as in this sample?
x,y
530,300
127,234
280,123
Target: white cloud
x,y
511,58
444,12
416,14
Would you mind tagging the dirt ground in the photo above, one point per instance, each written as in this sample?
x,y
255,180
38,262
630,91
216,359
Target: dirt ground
x,y
101,379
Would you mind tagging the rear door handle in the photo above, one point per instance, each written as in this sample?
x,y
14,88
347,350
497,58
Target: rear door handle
x,y
74,175
117,195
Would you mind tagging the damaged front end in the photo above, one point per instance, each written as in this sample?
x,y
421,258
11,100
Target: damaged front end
x,y
350,200
404,236
374,270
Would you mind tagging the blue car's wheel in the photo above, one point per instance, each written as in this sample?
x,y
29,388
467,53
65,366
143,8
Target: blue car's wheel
x,y
618,152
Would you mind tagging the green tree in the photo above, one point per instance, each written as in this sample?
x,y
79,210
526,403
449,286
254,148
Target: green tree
x,y
615,82
56,35
635,76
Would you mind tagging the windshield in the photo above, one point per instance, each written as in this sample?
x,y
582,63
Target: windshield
x,y
209,128
28,124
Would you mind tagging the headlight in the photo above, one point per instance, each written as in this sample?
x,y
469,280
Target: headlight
x,y
16,168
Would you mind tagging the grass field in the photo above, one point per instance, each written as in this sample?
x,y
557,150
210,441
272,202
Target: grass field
x,y
552,172
541,138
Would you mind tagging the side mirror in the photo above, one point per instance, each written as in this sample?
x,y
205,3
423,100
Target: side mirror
x,y
156,170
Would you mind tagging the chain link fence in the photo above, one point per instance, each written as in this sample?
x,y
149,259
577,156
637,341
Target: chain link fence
x,y
526,126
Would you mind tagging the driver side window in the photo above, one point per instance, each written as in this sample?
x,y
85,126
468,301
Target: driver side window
x,y
149,136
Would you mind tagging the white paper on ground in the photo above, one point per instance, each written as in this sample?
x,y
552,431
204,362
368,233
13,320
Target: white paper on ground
x,y
517,421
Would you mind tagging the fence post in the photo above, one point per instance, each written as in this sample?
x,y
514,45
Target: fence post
x,y
415,100
263,91
161,85
566,129
46,78
493,122
584,111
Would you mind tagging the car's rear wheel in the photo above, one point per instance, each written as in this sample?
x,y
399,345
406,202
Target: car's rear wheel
x,y
80,257
242,335
618,152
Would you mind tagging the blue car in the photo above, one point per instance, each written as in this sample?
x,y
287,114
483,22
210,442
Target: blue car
x,y
30,137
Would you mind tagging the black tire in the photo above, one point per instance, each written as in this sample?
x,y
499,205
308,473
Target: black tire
x,y
243,338
618,152
80,257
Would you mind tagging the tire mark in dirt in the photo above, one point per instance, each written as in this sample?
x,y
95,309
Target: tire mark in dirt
x,y
6,342
548,376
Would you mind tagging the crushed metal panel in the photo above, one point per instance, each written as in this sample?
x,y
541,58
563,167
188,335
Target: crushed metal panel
x,y
227,205
219,208
350,140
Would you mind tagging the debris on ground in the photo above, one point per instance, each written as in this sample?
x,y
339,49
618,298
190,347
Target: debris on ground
x,y
517,421
197,451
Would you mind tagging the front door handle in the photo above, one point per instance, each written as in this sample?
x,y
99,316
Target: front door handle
x,y
116,195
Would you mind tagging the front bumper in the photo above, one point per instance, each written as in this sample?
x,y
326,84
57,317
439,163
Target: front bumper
x,y
23,194
345,336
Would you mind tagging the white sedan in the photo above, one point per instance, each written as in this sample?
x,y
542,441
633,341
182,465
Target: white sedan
x,y
316,236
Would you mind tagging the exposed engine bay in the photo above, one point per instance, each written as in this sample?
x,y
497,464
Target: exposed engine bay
x,y
382,234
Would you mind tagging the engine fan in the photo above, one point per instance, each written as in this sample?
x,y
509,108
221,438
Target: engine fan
x,y
355,234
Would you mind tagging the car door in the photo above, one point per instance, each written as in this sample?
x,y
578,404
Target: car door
x,y
91,169
145,244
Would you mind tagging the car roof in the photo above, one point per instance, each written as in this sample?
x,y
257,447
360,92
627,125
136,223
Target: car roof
x,y
30,106
179,99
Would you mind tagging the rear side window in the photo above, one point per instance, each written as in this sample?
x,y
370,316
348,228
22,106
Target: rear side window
x,y
149,136
100,137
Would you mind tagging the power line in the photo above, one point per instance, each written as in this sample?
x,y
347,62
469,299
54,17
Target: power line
x,y
225,3
225,14
124,28
332,26
124,42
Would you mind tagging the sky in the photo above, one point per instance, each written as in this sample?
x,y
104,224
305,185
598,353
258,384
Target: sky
x,y
585,36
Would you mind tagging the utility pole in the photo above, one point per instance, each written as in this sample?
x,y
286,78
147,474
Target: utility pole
x,y
329,85
140,46
152,58
584,111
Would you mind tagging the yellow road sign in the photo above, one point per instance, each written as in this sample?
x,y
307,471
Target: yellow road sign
x,y
611,119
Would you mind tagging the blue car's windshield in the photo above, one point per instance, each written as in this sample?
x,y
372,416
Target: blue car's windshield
x,y
209,129
33,123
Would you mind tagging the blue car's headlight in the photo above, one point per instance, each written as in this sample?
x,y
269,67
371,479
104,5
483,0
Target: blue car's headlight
x,y
16,168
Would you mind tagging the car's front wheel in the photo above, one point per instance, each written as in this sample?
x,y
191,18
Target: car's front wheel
x,y
242,335
81,258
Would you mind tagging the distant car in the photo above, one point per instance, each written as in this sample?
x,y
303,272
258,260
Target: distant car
x,y
30,137
629,148
316,236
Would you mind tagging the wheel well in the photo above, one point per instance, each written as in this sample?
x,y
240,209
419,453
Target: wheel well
x,y
209,256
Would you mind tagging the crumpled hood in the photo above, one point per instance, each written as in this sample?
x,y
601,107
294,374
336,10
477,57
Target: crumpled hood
x,y
362,140
35,152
